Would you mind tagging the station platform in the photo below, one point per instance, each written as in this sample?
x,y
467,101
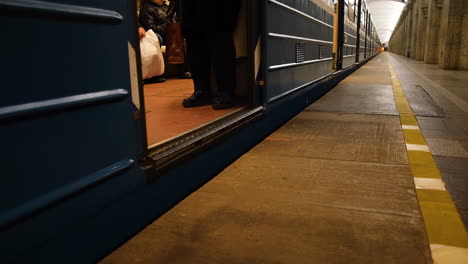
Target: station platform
x,y
373,172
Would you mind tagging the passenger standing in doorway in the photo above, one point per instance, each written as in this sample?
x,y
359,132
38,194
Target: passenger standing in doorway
x,y
210,42
155,14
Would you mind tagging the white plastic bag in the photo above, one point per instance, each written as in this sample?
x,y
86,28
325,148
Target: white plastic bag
x,y
152,60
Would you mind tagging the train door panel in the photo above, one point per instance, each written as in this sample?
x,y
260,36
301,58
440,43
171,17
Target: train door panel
x,y
69,114
298,40
362,30
360,34
350,32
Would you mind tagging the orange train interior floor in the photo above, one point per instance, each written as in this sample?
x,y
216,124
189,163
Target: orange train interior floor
x,y
165,115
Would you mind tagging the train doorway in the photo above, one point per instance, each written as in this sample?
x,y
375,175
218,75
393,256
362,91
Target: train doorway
x,y
173,130
167,118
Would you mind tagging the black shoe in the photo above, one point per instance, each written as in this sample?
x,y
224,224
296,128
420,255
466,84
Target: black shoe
x,y
160,80
222,103
198,98
156,79
186,75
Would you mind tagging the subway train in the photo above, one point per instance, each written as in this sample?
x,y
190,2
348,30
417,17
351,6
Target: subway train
x,y
79,175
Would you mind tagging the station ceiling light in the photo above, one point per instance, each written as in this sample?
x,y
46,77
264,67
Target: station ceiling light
x,y
385,14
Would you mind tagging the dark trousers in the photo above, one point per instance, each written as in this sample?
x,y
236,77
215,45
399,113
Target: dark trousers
x,y
207,49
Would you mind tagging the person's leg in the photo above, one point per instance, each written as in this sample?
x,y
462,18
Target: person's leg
x,y
224,51
224,63
186,72
199,59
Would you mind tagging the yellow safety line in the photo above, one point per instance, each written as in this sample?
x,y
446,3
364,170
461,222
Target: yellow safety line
x,y
446,233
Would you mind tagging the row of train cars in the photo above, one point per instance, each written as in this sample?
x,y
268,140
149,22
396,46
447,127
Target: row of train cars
x,y
78,178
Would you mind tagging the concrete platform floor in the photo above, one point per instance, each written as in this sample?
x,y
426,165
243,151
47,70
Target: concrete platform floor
x,y
333,185
444,124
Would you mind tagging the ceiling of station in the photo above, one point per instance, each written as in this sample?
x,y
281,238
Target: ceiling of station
x,y
385,14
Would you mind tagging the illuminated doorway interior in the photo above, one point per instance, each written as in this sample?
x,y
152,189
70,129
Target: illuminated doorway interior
x,y
167,119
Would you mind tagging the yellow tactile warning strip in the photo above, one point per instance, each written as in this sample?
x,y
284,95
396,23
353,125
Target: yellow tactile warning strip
x,y
446,232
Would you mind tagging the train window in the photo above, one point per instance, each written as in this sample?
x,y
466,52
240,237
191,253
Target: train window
x,y
363,18
350,11
169,122
356,11
346,7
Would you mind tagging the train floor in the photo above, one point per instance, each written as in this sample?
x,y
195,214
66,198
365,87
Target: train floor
x,y
166,118
360,176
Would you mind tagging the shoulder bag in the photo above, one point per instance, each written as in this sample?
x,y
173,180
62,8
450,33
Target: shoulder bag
x,y
175,49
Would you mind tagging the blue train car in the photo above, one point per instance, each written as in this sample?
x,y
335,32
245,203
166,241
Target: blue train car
x,y
78,177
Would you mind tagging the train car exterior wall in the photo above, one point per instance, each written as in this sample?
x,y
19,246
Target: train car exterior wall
x,y
74,175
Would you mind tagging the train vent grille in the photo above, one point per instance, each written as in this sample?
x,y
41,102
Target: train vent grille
x,y
300,54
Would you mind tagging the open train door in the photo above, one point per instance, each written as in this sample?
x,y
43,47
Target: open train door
x,y
71,131
297,51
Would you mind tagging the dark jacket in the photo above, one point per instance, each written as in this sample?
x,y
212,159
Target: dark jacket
x,y
209,15
155,16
